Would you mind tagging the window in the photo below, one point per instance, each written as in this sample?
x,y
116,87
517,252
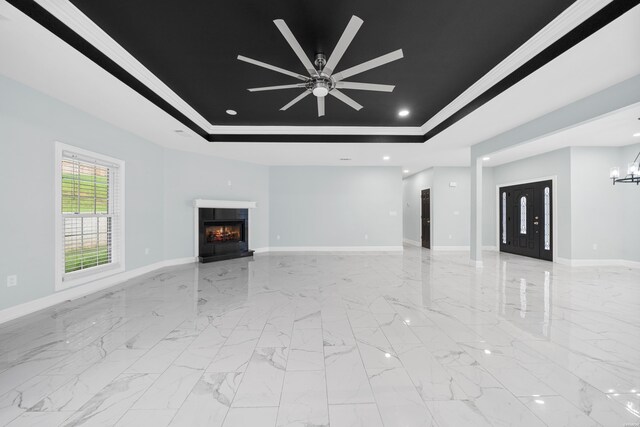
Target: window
x,y
89,219
523,215
547,218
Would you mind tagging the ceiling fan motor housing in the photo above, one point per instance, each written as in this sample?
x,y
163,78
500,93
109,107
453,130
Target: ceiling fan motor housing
x,y
320,86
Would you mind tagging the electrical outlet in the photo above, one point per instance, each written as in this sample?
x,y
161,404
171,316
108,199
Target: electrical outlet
x,y
450,236
12,281
595,246
229,183
146,251
278,237
366,237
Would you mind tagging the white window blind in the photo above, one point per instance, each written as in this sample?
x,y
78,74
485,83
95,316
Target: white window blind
x,y
90,215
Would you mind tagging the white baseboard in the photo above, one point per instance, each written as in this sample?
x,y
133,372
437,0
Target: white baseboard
x,y
598,262
83,290
490,248
333,249
412,242
450,248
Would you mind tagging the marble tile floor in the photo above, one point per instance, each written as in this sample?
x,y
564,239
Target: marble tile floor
x,y
341,339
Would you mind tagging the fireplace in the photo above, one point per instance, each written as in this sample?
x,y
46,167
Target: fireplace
x,y
223,234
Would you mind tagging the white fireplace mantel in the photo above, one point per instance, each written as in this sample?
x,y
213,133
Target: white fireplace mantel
x,y
219,204
223,204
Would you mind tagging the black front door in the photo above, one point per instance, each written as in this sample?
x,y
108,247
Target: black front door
x,y
426,218
526,219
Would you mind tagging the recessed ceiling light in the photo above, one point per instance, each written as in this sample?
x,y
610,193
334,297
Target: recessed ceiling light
x,y
386,158
345,159
486,158
403,113
636,134
232,112
406,171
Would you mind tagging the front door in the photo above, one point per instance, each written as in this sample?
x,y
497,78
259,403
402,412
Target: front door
x,y
426,218
526,219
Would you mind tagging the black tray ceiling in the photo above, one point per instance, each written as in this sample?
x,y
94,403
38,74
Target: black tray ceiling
x,y
192,46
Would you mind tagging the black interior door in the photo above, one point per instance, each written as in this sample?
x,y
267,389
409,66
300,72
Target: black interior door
x,y
426,218
526,219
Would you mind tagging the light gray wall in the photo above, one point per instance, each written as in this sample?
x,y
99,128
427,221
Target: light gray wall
x,y
630,207
556,163
335,206
411,204
450,207
602,225
488,209
189,176
30,123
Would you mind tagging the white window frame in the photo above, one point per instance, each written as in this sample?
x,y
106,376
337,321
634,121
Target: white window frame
x,y
67,280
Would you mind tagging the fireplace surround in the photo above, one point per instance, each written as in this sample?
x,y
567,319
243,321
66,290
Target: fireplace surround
x,y
223,233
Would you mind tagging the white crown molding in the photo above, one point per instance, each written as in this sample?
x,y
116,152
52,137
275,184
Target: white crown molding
x,y
573,16
84,290
315,130
72,17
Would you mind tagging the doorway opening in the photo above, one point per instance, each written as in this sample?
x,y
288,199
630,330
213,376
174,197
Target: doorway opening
x,y
526,219
426,218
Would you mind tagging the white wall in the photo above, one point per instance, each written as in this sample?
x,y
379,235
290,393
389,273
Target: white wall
x,y
189,176
30,123
335,206
412,205
630,207
450,207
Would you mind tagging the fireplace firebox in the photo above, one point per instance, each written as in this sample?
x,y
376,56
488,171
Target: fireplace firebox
x,y
223,234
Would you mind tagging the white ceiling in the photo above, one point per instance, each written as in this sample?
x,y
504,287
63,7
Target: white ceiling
x,y
604,59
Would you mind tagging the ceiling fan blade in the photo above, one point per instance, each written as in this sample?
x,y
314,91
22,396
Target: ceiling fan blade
x,y
365,66
365,86
345,40
344,98
293,42
260,89
272,67
320,106
296,99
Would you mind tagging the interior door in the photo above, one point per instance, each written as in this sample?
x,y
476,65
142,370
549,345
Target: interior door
x,y
526,219
426,218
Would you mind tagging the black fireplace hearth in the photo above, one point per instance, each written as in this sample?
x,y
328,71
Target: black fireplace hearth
x,y
224,234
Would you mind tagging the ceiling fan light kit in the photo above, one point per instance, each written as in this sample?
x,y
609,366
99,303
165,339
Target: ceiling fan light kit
x,y
321,80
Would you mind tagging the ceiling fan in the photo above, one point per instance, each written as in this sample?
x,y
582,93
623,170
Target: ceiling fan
x,y
321,80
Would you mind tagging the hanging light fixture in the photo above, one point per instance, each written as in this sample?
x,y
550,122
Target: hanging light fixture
x,y
632,176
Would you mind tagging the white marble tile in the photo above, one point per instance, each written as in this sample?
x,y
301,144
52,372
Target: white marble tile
x,y
556,411
347,380
454,413
37,419
360,415
170,389
304,400
568,335
235,355
209,401
262,382
397,398
254,417
146,418
79,389
108,406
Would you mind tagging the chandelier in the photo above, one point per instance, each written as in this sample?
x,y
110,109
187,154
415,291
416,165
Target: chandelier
x,y
633,173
